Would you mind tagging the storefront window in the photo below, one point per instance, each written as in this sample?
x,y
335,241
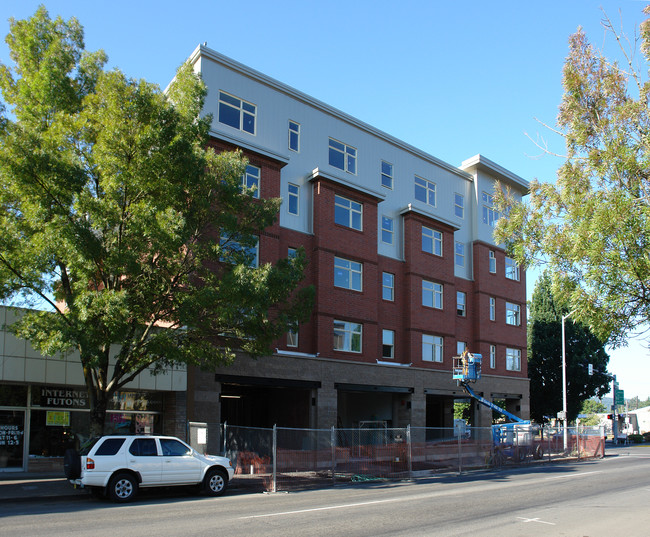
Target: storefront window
x,y
51,432
12,438
13,395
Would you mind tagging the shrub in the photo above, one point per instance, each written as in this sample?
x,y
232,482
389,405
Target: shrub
x,y
635,438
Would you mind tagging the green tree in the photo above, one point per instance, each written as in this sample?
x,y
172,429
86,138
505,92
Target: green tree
x,y
592,227
545,357
116,215
591,406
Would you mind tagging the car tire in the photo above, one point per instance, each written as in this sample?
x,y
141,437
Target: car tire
x,y
72,464
215,482
122,487
538,453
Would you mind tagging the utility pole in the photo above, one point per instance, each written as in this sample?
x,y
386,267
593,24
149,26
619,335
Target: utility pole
x,y
614,414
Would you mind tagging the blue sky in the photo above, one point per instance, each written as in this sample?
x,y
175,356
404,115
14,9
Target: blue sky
x,y
453,78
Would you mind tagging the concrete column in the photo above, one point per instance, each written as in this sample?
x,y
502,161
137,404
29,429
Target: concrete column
x,y
326,406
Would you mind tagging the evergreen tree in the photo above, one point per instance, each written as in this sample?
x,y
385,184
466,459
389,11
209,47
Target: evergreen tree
x,y
545,357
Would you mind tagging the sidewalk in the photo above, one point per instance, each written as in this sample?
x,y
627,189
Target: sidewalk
x,y
24,486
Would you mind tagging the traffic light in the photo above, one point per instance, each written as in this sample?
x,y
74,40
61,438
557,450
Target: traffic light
x,y
610,416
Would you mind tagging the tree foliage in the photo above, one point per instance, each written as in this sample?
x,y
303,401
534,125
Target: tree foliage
x,y
592,227
545,357
116,214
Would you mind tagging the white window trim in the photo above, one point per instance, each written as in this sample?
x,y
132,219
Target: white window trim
x,y
392,287
436,344
391,344
429,187
493,356
436,290
460,255
512,269
489,214
383,174
513,311
493,309
295,195
348,329
390,231
461,206
348,152
435,237
349,210
351,270
258,177
513,357
461,306
241,110
492,262
292,338
296,132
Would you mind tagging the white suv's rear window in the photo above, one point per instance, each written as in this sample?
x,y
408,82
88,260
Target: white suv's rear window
x,y
110,446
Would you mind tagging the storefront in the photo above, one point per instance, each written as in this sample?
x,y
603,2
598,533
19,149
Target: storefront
x,y
39,422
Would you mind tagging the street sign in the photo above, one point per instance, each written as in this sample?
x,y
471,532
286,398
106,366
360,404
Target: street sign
x,y
620,397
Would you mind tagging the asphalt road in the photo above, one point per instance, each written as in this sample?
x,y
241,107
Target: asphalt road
x,y
607,497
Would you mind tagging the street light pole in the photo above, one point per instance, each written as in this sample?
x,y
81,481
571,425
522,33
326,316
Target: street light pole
x,y
564,398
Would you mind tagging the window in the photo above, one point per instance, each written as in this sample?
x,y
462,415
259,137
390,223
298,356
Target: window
x,y
513,314
490,214
460,347
459,205
294,136
292,338
432,294
388,286
294,198
110,446
386,175
493,308
431,241
347,336
250,181
291,252
461,299
347,212
493,263
343,156
388,344
347,274
237,113
425,191
386,230
512,269
173,448
493,356
431,348
144,447
513,359
233,251
460,254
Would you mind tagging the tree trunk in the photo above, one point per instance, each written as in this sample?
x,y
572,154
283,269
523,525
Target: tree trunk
x,y
98,405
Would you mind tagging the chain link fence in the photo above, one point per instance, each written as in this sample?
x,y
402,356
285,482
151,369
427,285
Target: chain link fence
x,y
288,459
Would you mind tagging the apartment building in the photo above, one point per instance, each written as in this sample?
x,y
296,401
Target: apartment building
x,y
402,256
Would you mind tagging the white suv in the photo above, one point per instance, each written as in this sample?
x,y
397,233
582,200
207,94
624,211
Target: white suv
x,y
118,465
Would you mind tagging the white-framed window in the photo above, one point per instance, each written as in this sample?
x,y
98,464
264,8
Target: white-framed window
x,y
250,181
292,338
387,286
460,347
490,214
460,254
459,205
431,294
348,213
493,309
386,174
294,136
512,269
293,195
492,262
388,344
347,336
233,251
513,314
237,113
387,226
513,359
493,356
461,304
432,347
343,156
348,274
425,191
431,241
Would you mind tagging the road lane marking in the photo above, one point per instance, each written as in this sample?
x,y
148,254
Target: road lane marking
x,y
343,506
572,476
526,520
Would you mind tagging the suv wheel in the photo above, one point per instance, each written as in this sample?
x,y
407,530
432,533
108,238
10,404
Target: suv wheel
x,y
122,487
215,482
72,464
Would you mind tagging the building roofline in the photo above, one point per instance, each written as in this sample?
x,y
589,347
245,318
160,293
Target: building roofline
x,y
203,51
317,173
409,209
485,164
